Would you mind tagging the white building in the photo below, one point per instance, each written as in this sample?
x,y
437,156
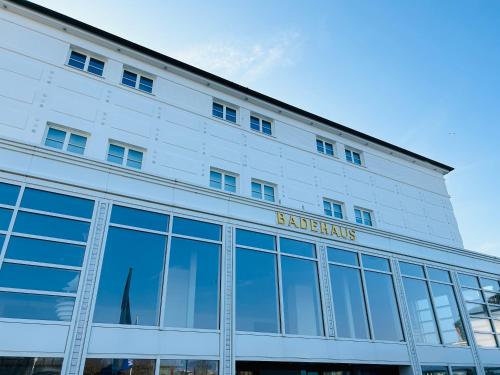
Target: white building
x,y
158,219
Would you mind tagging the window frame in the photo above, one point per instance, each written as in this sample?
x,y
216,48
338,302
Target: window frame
x,y
261,119
263,185
88,56
69,132
126,148
324,142
139,75
333,202
226,105
353,151
224,174
363,211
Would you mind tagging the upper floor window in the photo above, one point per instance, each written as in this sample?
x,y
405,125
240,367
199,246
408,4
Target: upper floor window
x,y
224,112
333,208
324,147
363,216
137,81
261,125
222,181
263,190
125,156
65,140
352,156
88,63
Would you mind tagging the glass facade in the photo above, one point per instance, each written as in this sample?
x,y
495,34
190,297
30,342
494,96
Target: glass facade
x,y
30,365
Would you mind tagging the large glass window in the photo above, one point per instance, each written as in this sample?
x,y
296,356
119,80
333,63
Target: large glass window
x,y
30,366
8,194
57,203
190,366
35,306
435,370
119,366
450,322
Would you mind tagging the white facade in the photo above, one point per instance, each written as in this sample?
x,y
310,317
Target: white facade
x,y
181,142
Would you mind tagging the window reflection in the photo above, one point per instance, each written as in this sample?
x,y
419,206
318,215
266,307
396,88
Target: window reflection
x,y
119,366
450,322
188,367
35,306
139,218
58,203
8,194
30,365
5,216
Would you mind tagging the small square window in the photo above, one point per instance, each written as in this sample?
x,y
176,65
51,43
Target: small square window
x,y
55,138
334,209
146,84
77,60
363,217
134,159
125,156
224,112
260,125
263,190
137,81
324,147
96,66
129,78
88,63
353,157
116,154
223,181
77,143
65,140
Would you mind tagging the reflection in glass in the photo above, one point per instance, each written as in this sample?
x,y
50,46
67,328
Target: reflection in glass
x,y
20,306
342,256
485,340
421,313
256,291
375,263
482,325
131,278
193,284
476,310
8,194
301,299
5,216
450,322
139,218
30,249
383,307
30,366
58,203
463,371
434,370
255,239
492,371
410,269
490,285
348,302
119,366
188,367
38,278
468,281
472,295
194,228
50,226
437,274
304,249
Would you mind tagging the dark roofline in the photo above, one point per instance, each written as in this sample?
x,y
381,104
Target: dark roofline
x,y
212,77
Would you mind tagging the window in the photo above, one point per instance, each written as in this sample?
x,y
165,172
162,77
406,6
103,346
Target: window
x,y
353,157
260,125
223,112
333,209
30,365
222,181
434,313
363,216
482,300
137,81
89,64
119,366
65,140
125,156
190,366
263,190
324,147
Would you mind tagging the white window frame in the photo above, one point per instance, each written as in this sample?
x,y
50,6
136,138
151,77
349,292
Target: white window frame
x,y
332,202
363,210
224,111
223,180
69,132
261,118
88,56
359,152
139,74
324,141
127,148
263,184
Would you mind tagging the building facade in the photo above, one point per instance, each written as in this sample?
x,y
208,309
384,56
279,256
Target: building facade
x,y
157,219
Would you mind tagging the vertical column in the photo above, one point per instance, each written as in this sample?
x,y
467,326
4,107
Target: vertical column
x,y
227,365
326,290
467,325
405,318
74,352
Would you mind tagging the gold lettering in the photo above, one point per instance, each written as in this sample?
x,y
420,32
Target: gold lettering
x,y
324,228
335,230
280,218
352,234
303,223
293,222
314,225
343,232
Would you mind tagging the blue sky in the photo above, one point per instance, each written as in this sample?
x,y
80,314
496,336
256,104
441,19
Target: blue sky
x,y
424,74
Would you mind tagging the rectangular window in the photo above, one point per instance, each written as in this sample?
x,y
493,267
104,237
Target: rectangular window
x,y
65,139
353,157
263,190
224,112
137,81
87,63
223,181
333,209
261,125
324,147
363,216
125,156
30,365
119,366
189,366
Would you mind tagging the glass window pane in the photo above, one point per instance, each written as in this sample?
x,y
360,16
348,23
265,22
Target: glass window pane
x,y
438,275
191,366
57,203
146,84
45,251
329,149
256,190
230,183
49,226
301,299
266,127
192,285
9,193
367,218
55,138
485,340
255,239
34,306
129,78
119,366
139,218
434,370
256,292
131,278
348,156
2,239
468,281
290,246
327,207
337,210
383,307
495,312
357,214
38,278
356,158
215,180
490,285
134,164
496,324
450,322
348,302
5,216
472,295
195,228
375,263
481,325
217,110
476,310
254,123
77,60
95,66
342,256
77,144
410,269
230,114
491,370
30,366
116,154
269,193
319,146
421,313
463,371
